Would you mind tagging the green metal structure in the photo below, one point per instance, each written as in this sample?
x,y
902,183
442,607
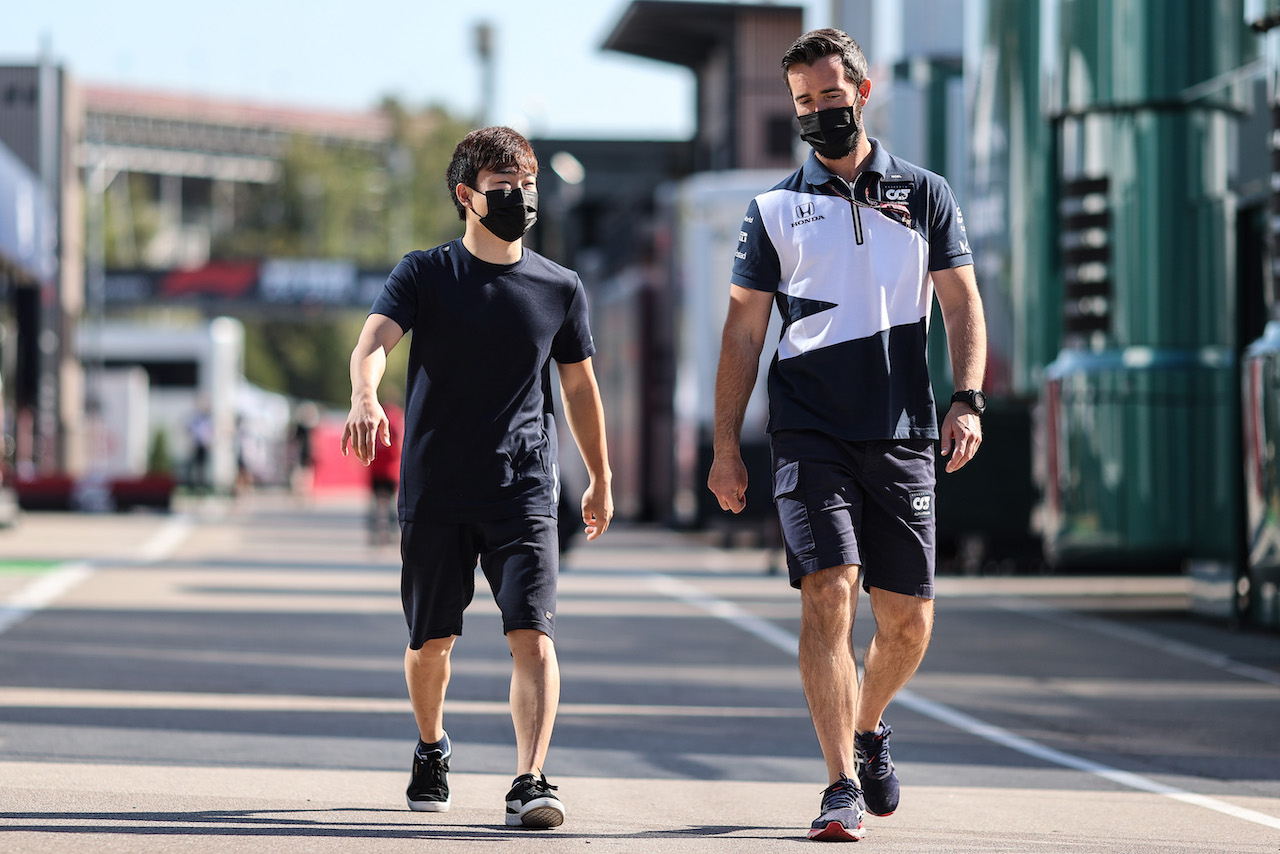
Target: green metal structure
x,y
1142,406
1258,589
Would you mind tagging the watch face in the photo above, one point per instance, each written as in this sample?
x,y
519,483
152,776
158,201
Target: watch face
x,y
973,398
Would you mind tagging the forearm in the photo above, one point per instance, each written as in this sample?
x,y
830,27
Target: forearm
x,y
368,364
585,414
967,342
735,380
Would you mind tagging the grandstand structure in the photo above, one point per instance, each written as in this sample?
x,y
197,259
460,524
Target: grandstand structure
x,y
196,153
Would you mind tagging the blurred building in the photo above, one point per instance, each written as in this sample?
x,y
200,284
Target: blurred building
x,y
67,152
40,122
27,261
194,154
596,199
734,51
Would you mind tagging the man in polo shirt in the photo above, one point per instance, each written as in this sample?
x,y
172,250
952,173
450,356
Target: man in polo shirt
x,y
851,247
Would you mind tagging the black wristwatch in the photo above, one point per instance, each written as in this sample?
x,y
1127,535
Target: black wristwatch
x,y
973,398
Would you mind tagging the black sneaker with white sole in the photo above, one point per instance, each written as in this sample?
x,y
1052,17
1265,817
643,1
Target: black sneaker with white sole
x,y
429,782
530,803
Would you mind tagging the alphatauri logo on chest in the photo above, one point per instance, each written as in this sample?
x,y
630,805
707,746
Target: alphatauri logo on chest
x,y
895,192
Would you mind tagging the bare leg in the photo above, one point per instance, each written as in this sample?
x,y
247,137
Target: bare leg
x,y
427,671
535,696
828,601
903,627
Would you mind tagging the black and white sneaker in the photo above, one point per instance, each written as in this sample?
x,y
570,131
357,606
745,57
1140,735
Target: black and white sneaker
x,y
429,784
530,803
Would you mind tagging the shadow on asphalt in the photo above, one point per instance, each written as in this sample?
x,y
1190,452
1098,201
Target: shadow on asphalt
x,y
254,823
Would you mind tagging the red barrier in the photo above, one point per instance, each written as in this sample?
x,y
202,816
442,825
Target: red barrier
x,y
335,472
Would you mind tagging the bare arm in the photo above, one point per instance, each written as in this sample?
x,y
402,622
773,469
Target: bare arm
x,y
585,414
740,345
367,423
962,316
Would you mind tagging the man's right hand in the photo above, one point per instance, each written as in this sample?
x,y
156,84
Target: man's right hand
x,y
367,423
728,480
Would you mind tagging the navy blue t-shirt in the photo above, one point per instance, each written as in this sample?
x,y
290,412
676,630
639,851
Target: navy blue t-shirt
x,y
480,437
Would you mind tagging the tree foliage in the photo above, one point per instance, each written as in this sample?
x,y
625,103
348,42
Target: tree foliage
x,y
309,359
352,201
343,202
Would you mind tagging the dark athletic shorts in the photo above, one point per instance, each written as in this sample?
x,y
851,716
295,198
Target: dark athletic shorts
x,y
863,503
520,558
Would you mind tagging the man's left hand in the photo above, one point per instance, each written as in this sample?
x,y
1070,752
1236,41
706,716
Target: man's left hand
x,y
597,509
961,435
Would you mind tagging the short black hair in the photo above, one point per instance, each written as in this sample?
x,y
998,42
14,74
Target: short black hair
x,y
816,44
487,148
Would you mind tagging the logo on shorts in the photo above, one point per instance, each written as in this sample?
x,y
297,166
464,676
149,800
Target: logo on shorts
x,y
921,504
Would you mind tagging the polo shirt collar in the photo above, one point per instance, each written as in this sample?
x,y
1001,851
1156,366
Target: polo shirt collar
x,y
817,175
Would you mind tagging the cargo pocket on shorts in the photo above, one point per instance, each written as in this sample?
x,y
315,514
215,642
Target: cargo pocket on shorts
x,y
786,479
793,515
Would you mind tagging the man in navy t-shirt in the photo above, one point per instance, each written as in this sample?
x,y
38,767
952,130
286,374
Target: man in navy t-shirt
x,y
479,478
851,248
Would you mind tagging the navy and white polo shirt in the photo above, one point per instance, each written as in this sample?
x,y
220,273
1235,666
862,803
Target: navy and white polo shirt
x,y
850,265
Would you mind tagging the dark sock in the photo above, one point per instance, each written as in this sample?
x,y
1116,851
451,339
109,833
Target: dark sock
x,y
442,747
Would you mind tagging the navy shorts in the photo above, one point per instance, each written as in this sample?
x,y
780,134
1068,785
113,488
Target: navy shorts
x,y
863,503
520,558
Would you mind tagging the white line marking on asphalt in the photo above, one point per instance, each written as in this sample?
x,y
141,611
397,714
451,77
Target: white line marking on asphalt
x,y
1186,651
790,644
727,611
73,698
49,587
164,542
41,592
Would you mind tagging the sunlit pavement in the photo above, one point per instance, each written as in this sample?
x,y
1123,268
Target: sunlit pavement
x,y
228,678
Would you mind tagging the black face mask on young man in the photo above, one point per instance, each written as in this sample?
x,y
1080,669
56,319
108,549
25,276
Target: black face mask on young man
x,y
511,213
832,132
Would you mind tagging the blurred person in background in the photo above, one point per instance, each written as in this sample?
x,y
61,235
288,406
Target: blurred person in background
x,y
246,477
8,500
5,475
384,477
200,431
302,472
479,465
851,247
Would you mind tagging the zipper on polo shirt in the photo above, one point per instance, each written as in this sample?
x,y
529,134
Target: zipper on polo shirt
x,y
853,207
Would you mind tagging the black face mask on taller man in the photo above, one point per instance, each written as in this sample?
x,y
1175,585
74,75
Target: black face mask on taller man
x,y
511,213
832,132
